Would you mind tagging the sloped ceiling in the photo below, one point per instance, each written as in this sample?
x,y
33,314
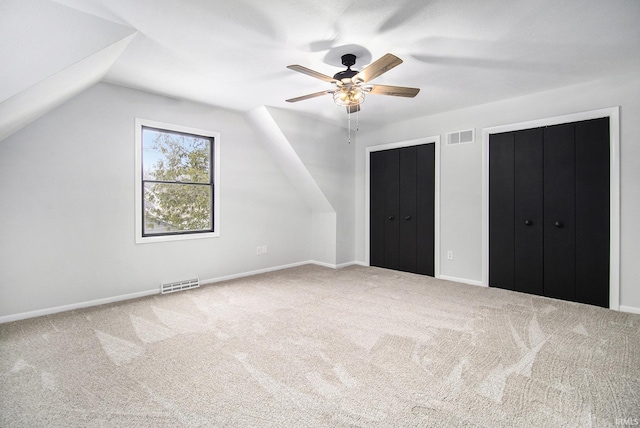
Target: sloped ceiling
x,y
49,54
234,53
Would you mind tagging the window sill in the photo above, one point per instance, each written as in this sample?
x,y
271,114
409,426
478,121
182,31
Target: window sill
x,y
168,238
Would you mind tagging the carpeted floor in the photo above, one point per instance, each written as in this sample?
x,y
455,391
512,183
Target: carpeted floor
x,y
316,347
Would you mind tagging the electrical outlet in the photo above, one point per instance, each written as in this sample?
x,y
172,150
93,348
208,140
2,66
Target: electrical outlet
x,y
450,255
264,249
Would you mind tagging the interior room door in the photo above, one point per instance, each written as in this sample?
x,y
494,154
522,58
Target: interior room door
x,y
402,192
549,211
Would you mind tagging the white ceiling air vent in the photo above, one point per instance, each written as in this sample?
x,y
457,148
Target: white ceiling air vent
x,y
461,137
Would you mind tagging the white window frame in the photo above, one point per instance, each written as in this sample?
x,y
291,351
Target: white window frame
x,y
139,239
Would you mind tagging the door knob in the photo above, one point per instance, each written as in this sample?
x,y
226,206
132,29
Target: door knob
x,y
528,222
408,218
391,217
558,223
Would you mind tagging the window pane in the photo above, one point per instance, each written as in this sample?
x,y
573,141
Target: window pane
x,y
176,208
172,156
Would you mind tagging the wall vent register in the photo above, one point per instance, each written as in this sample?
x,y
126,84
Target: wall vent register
x,y
461,137
172,287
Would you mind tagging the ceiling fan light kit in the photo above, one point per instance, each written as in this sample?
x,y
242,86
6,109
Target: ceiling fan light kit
x,y
351,85
349,96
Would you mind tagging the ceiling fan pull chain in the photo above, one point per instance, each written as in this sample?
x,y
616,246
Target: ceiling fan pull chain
x,y
349,119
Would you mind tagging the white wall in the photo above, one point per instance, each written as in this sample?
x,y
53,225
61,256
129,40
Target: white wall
x,y
461,171
330,158
67,205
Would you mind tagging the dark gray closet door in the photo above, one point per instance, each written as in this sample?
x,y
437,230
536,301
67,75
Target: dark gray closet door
x,y
528,211
377,220
407,221
549,211
592,211
402,188
559,212
425,208
501,210
384,234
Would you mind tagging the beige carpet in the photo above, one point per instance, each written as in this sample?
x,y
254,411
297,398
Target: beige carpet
x,y
315,347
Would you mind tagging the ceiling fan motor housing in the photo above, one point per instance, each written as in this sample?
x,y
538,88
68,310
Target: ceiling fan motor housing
x,y
347,60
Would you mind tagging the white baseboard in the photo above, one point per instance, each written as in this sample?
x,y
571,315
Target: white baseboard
x,y
462,280
338,266
56,309
323,264
80,305
276,268
629,309
354,263
253,272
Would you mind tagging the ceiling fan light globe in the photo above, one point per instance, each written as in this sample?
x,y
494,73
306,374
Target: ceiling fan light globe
x,y
348,98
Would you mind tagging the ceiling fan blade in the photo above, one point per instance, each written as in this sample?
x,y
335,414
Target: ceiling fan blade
x,y
312,73
376,68
306,97
353,109
396,91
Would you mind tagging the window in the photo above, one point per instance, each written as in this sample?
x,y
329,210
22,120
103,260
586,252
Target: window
x,y
177,170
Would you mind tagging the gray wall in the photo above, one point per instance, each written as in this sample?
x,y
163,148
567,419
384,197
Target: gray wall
x,y
330,158
67,183
461,171
67,205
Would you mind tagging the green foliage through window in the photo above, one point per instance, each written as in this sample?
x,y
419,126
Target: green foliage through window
x,y
177,182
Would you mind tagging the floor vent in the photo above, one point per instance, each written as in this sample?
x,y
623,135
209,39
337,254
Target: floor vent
x,y
172,287
461,137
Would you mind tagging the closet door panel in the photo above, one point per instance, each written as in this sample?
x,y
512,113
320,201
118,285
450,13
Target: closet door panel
x,y
559,212
401,223
592,212
407,220
425,208
501,210
376,209
391,179
528,211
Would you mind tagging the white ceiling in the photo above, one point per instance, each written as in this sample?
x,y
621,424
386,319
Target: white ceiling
x,y
234,53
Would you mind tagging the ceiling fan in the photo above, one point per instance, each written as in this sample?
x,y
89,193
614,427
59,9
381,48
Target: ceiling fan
x,y
350,86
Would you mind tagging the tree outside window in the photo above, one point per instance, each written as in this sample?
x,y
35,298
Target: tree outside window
x,y
177,185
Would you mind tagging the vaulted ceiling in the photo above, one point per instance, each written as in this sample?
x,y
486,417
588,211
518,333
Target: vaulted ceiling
x,y
234,54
